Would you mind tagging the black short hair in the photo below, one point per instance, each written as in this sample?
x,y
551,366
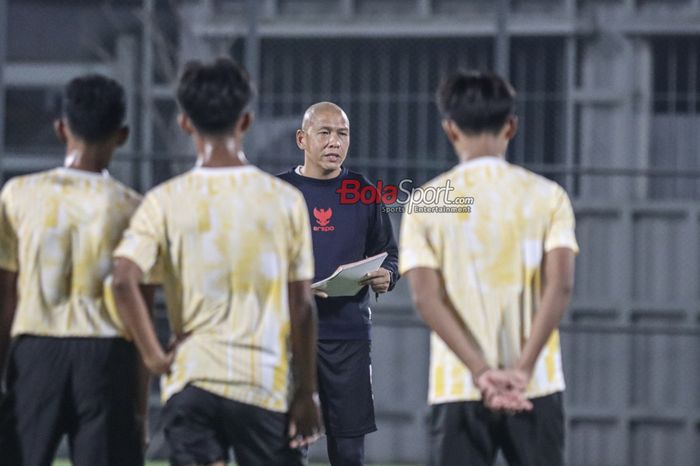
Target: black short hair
x,y
478,102
94,106
214,95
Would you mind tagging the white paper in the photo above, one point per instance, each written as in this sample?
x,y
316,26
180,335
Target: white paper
x,y
345,280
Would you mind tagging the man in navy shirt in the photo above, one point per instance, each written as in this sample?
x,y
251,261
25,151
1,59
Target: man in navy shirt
x,y
342,233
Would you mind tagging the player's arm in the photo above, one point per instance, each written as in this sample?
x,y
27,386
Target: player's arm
x,y
558,282
430,298
305,419
8,303
143,375
560,247
134,312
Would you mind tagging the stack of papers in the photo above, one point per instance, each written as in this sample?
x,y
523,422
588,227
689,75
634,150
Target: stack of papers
x,y
345,281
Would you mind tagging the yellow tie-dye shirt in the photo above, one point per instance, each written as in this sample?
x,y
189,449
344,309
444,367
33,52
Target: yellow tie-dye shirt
x,y
58,228
491,261
227,241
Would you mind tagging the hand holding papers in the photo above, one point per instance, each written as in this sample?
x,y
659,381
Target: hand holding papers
x,y
345,281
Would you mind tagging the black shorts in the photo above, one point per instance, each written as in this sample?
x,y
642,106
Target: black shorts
x,y
201,427
83,387
345,387
469,433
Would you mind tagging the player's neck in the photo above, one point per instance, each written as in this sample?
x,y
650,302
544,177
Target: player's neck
x,y
87,157
222,151
470,148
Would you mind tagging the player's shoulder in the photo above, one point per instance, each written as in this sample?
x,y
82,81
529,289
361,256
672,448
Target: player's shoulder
x,y
125,192
28,182
33,178
440,179
287,193
353,175
542,194
176,183
535,182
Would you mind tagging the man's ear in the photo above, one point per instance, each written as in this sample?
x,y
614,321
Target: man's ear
x,y
122,135
451,130
59,128
511,128
244,122
185,123
301,139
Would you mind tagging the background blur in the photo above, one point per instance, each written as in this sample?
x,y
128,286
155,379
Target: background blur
x,y
609,107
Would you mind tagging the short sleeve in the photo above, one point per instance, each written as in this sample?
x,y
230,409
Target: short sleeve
x,y
301,253
144,240
561,229
8,236
415,248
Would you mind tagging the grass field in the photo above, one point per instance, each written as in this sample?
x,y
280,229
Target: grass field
x,y
149,463
165,463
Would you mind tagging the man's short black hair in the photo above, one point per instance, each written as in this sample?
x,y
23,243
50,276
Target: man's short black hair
x,y
94,106
478,102
214,95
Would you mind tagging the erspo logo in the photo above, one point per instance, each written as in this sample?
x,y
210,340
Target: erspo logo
x,y
323,218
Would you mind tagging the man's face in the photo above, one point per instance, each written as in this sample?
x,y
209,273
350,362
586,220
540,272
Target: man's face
x,y
325,141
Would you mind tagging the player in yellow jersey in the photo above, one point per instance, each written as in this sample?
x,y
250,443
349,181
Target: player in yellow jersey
x,y
234,247
491,265
70,371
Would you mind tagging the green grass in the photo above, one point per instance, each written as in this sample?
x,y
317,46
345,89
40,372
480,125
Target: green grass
x,y
148,463
165,463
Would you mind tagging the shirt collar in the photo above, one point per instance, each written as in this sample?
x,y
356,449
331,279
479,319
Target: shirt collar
x,y
83,173
483,161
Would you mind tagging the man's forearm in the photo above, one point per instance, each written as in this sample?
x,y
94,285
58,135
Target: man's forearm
x,y
554,303
442,319
143,376
137,320
430,298
303,329
558,282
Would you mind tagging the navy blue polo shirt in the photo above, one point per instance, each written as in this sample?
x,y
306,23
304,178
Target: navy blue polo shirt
x,y
344,233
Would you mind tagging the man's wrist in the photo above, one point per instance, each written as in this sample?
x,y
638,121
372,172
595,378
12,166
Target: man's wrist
x,y
525,367
477,374
302,394
154,359
305,391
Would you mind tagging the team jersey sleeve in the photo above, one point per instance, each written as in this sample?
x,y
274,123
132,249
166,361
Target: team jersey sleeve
x,y
561,230
380,238
144,240
8,235
415,247
301,254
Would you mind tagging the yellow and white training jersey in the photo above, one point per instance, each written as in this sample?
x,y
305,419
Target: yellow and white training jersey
x,y
58,228
491,262
227,242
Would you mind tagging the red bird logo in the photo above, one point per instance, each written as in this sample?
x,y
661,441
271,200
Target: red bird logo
x,y
323,216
